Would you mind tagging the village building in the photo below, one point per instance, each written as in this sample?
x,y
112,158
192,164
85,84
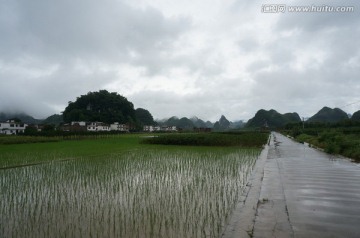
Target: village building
x,y
11,127
75,126
98,126
169,128
148,128
119,127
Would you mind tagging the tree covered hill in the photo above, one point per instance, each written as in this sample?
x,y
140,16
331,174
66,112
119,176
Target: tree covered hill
x,y
144,117
100,106
356,116
184,122
55,119
222,124
329,115
272,118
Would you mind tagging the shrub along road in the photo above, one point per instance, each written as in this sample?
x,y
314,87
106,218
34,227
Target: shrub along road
x,y
307,193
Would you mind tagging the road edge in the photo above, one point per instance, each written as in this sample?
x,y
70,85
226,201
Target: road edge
x,y
242,220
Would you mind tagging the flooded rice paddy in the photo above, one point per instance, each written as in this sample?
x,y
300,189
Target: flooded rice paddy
x,y
133,194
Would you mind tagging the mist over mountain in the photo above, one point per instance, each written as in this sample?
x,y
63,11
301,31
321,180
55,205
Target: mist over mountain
x,y
21,116
237,124
329,115
200,123
195,122
270,118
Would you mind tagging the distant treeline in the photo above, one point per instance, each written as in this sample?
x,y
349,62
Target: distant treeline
x,y
244,139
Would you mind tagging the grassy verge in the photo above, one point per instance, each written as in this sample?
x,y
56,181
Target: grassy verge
x,y
334,142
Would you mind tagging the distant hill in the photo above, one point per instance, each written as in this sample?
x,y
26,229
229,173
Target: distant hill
x,y
356,116
272,118
200,123
329,115
222,125
237,124
185,123
21,116
55,119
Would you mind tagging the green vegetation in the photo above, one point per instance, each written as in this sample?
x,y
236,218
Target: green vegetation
x,y
7,140
55,119
335,138
329,115
245,139
100,106
144,117
335,142
117,187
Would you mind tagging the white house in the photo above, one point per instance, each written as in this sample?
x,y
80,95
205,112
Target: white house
x,y
98,126
168,128
148,128
10,127
119,127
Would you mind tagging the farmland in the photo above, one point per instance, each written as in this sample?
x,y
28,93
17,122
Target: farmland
x,y
118,187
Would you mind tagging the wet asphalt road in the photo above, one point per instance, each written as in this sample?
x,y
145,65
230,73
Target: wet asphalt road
x,y
307,193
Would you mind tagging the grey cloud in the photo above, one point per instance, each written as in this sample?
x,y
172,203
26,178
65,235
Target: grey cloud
x,y
70,29
248,44
306,92
37,35
39,94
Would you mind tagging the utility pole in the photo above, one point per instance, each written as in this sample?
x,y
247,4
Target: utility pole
x,y
303,121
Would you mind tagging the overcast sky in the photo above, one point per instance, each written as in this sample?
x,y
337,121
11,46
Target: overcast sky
x,y
202,58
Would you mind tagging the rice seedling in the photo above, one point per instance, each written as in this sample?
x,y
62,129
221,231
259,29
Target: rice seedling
x,y
140,193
